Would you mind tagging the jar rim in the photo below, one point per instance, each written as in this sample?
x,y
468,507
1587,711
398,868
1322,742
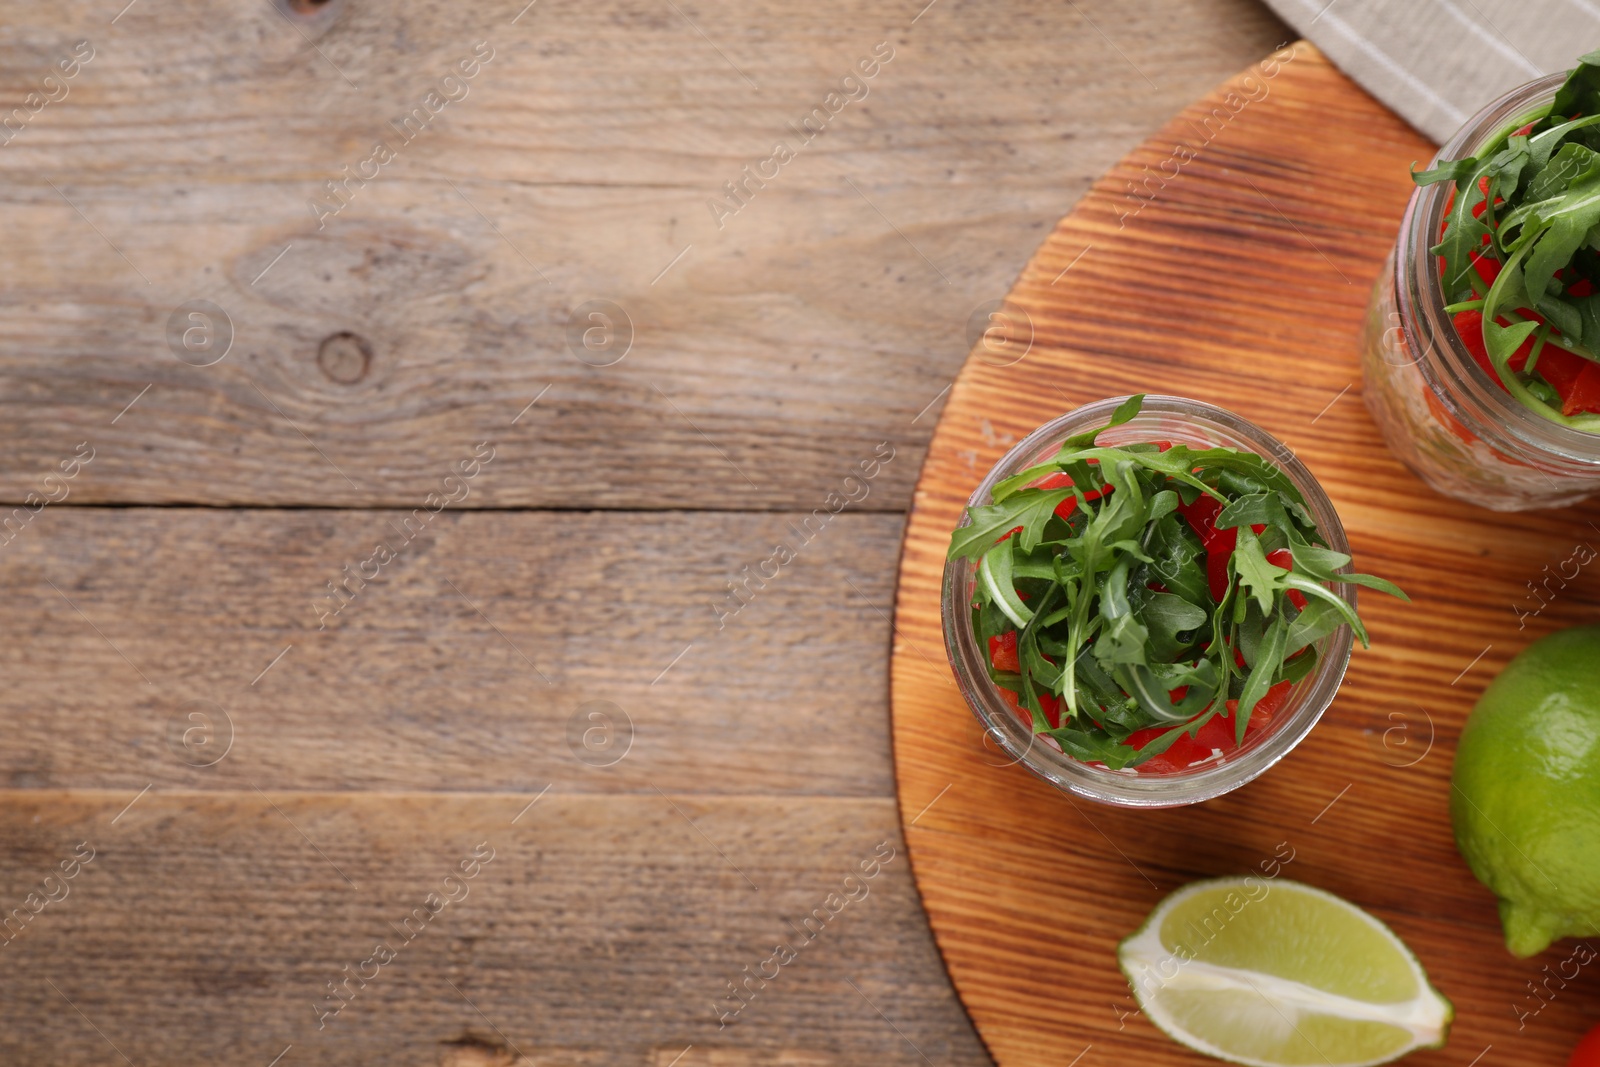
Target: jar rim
x,y
1475,398
1160,418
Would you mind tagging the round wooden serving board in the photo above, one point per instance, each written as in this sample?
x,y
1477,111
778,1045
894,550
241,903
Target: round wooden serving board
x,y
1230,259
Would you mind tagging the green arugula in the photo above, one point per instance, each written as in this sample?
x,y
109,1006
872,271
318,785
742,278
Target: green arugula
x,y
1537,187
1111,604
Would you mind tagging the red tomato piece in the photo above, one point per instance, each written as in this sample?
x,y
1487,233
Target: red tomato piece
x,y
1587,1054
1581,287
1060,480
1051,706
1585,394
1469,325
1219,544
1217,734
1262,714
1202,516
1003,652
1478,208
1488,267
1561,369
1184,751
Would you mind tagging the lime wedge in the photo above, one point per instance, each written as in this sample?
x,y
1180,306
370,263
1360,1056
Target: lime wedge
x,y
1272,973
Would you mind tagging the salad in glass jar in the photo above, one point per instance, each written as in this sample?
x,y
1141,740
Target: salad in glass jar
x,y
1149,601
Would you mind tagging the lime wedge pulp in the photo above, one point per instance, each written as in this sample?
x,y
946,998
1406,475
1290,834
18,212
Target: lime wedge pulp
x,y
1274,973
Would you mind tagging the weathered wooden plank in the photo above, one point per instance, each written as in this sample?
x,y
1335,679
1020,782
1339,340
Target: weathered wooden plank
x,y
206,928
792,337
469,663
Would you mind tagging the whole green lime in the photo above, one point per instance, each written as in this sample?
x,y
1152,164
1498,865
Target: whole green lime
x,y
1525,792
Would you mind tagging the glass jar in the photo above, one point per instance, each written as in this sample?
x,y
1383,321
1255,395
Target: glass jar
x,y
1441,413
1180,421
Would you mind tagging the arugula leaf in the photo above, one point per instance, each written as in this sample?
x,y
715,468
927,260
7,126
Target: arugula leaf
x,y
1030,509
995,574
1263,579
1383,585
1170,623
1177,560
1580,93
1263,508
1268,668
1318,562
1449,171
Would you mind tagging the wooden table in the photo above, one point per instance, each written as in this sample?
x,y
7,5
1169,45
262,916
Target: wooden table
x,y
273,378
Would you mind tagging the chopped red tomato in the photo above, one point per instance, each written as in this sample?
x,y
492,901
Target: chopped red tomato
x,y
1268,706
1202,516
1060,480
1488,267
1481,205
1585,394
1587,1054
1216,734
1182,752
1561,369
1469,324
1003,652
1049,704
1219,544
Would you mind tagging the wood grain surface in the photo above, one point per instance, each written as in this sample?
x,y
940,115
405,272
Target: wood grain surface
x,y
172,602
1242,281
789,339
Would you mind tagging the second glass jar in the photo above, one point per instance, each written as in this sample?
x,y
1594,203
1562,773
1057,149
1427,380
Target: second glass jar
x,y
1440,412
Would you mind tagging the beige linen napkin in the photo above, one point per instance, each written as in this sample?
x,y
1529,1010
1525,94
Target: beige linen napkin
x,y
1435,62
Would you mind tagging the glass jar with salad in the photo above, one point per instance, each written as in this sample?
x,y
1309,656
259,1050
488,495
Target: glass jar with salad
x,y
1482,341
1148,602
